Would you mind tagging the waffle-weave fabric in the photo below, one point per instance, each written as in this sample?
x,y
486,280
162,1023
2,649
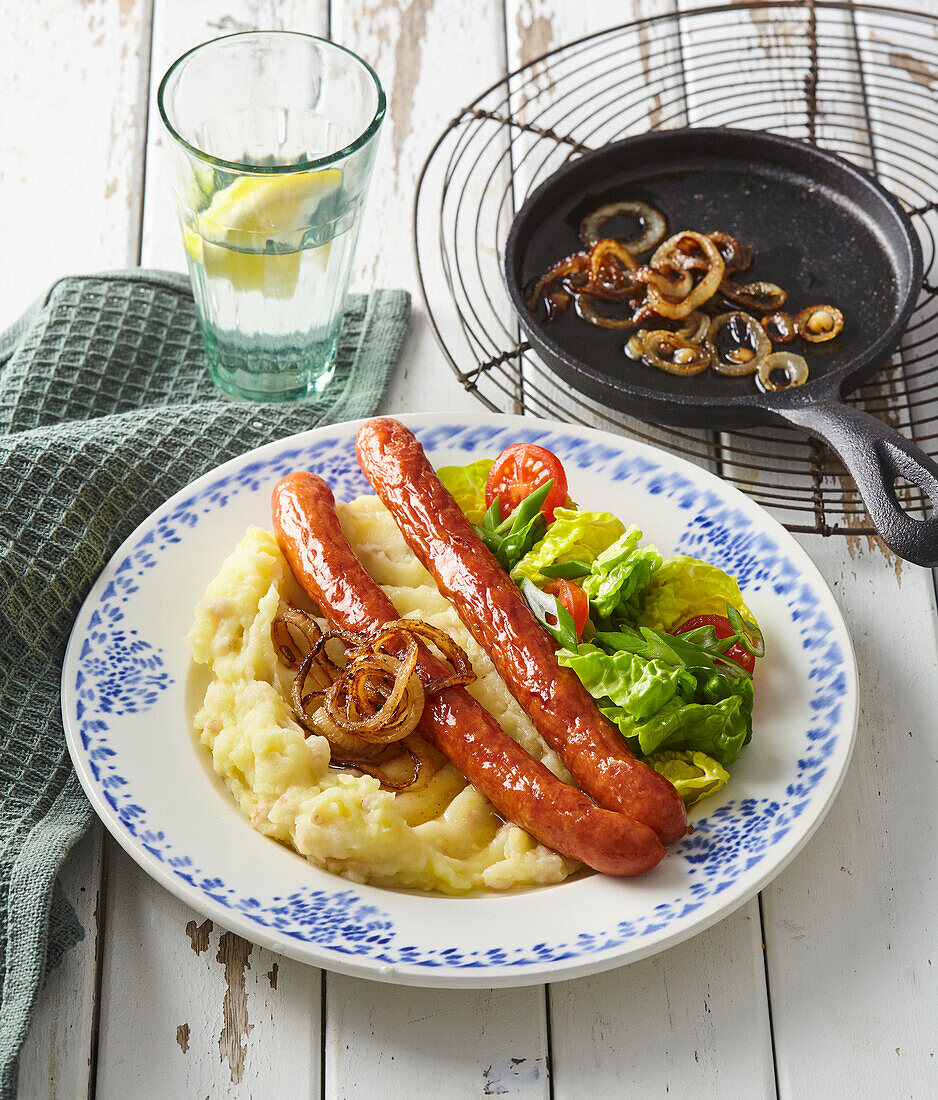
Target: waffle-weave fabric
x,y
106,409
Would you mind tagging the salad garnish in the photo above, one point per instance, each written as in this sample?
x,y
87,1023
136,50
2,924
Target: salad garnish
x,y
510,539
666,647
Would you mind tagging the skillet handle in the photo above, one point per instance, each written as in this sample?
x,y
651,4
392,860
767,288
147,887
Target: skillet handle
x,y
875,455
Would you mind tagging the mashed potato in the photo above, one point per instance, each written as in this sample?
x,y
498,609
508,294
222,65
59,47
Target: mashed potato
x,y
446,837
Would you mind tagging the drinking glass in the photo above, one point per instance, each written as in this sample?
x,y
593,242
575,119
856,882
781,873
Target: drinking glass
x,y
273,141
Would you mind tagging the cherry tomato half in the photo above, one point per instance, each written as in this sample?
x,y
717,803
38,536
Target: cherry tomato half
x,y
573,599
723,629
518,471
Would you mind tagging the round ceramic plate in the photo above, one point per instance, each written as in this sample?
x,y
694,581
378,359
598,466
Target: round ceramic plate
x,y
128,706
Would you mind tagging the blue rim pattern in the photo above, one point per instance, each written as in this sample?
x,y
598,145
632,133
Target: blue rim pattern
x,y
119,672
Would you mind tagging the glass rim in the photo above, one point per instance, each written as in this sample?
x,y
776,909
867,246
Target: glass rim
x,y
276,169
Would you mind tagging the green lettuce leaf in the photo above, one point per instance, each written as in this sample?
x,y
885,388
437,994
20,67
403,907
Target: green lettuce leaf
x,y
686,587
718,729
621,575
714,689
693,774
573,536
640,688
467,485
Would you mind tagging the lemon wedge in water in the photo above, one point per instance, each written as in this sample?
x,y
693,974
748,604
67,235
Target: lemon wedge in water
x,y
232,237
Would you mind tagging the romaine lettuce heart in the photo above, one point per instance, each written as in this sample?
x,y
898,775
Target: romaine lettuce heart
x,y
641,688
467,486
694,775
573,536
620,577
686,587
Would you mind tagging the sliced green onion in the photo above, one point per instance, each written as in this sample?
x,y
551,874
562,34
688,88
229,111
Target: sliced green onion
x,y
749,635
568,570
545,608
704,636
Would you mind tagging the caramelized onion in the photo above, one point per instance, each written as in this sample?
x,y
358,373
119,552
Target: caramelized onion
x,y
377,699
780,327
422,761
681,250
736,256
672,282
686,250
742,358
451,651
280,634
634,347
687,280
348,745
604,250
653,224
695,327
794,366
667,351
302,700
759,296
555,299
588,312
609,273
817,324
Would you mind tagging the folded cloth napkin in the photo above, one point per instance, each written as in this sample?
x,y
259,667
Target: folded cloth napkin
x,y
106,409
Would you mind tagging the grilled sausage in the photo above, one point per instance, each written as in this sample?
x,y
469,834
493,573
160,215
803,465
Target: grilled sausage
x,y
520,787
495,613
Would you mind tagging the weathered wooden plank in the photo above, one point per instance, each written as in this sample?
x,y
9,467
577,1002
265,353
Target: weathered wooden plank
x,y
846,925
692,1021
56,1058
594,92
69,164
69,171
432,58
407,1042
423,1044
849,926
194,1007
900,67
642,1029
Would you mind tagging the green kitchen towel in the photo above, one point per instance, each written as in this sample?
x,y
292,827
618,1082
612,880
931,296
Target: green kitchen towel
x,y
106,409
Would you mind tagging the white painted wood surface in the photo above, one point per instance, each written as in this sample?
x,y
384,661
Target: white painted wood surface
x,y
397,1041
223,1018
701,988
188,1009
57,1056
842,999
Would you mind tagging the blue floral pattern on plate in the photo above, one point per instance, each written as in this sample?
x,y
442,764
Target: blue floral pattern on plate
x,y
119,672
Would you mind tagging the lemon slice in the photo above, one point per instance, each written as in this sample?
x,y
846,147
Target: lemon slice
x,y
199,187
256,209
232,237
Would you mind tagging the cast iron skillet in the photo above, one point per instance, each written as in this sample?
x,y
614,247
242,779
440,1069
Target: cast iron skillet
x,y
821,228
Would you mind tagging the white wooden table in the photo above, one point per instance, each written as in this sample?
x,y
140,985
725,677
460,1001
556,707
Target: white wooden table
x,y
825,986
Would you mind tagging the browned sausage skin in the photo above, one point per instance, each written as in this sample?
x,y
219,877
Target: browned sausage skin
x,y
496,615
519,787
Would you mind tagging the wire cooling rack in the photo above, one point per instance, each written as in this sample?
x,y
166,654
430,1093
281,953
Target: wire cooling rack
x,y
856,79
